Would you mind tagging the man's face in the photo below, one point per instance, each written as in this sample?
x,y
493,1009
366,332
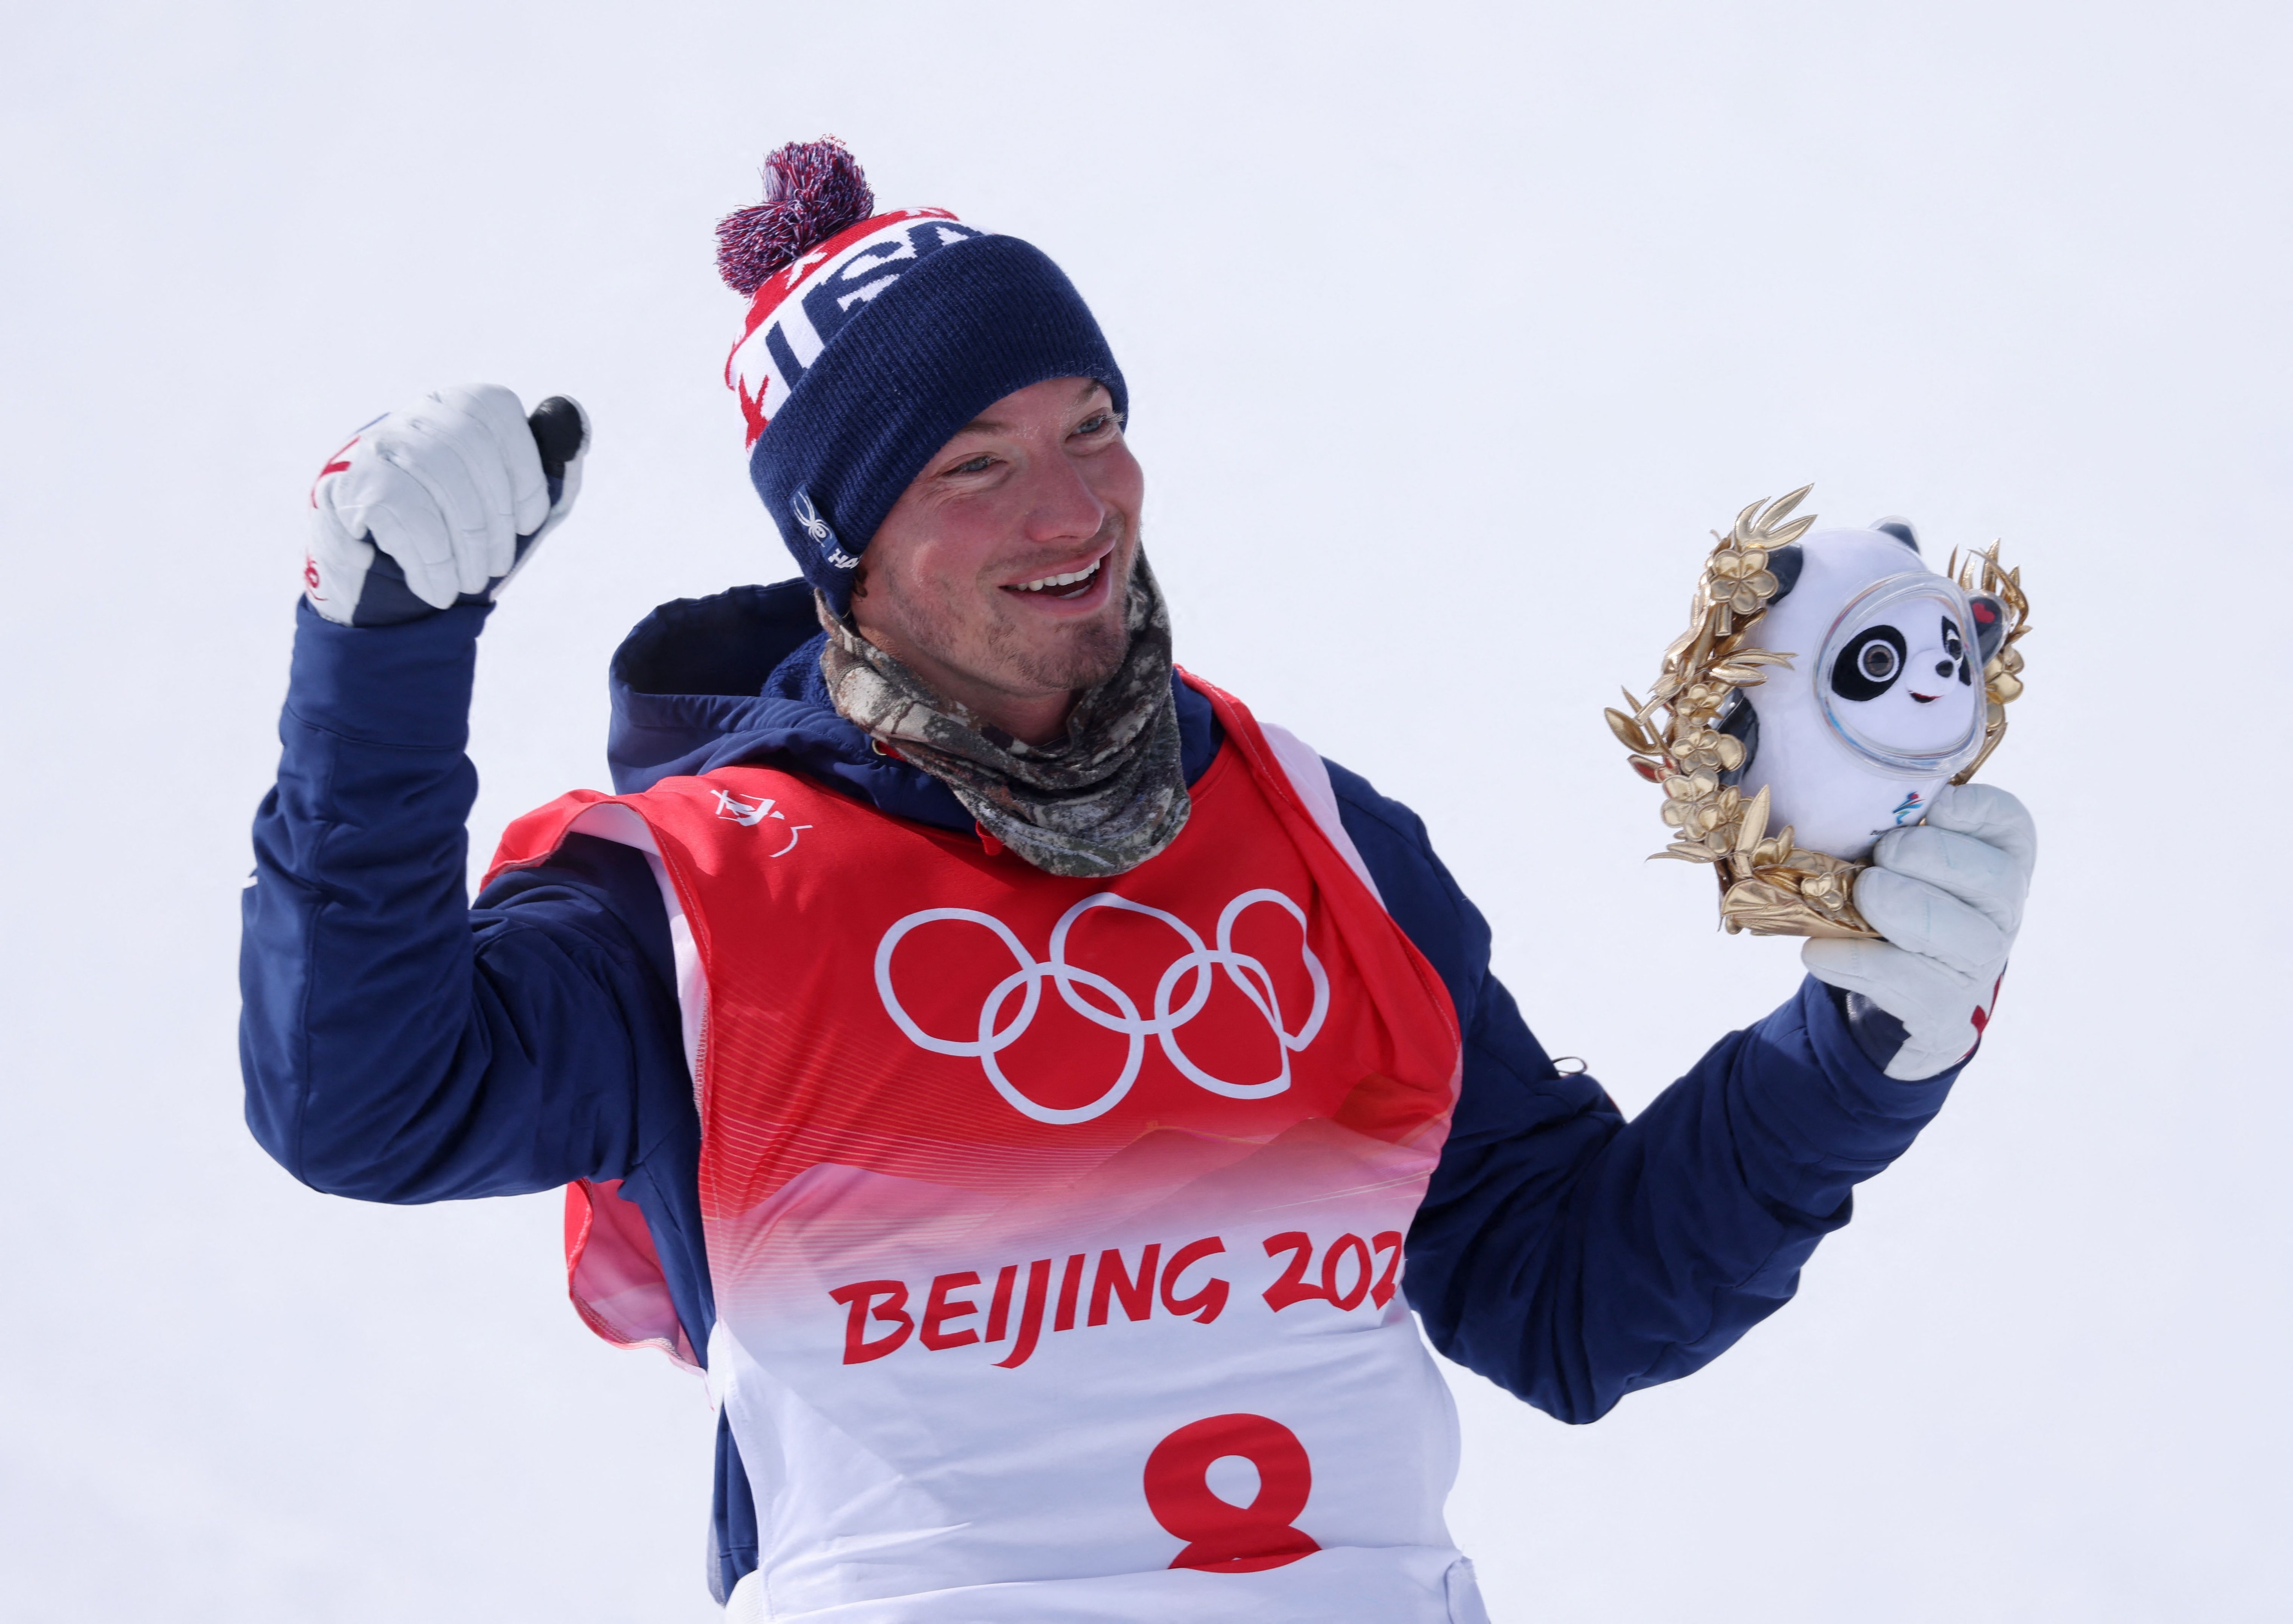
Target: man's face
x,y
1001,575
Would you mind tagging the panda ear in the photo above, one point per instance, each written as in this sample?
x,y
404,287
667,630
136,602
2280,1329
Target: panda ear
x,y
1784,564
1900,529
1990,623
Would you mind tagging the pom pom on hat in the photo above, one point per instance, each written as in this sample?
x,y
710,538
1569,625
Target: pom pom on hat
x,y
813,190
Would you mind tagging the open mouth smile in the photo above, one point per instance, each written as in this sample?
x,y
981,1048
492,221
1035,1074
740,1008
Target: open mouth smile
x,y
1926,699
1073,583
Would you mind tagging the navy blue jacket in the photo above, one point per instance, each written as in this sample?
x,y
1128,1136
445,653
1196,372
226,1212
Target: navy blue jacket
x,y
400,1045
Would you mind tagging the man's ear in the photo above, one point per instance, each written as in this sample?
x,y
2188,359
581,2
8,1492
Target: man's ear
x,y
1990,623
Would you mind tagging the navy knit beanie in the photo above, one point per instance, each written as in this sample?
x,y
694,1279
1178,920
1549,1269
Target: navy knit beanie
x,y
871,339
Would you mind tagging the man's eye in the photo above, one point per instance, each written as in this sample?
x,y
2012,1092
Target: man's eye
x,y
1094,423
974,464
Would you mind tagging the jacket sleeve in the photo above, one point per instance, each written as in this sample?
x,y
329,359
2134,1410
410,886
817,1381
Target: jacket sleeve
x,y
398,1045
1572,1256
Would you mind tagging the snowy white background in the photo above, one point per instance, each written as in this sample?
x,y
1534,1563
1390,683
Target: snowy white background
x,y
1450,330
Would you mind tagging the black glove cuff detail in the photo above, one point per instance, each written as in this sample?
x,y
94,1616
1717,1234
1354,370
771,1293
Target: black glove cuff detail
x,y
1876,1032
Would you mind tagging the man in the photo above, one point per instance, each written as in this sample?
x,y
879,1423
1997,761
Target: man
x,y
1037,1092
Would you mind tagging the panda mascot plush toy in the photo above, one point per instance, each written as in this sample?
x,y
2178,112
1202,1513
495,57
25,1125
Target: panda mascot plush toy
x,y
1858,740
1828,685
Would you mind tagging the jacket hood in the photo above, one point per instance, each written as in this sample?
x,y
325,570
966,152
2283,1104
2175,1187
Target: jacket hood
x,y
734,679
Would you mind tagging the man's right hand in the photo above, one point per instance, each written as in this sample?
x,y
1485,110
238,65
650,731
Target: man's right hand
x,y
451,492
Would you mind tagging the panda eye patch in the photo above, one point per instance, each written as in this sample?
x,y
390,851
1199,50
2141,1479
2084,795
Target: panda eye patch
x,y
1868,667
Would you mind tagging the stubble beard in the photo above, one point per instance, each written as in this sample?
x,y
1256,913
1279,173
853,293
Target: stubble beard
x,y
1010,654
1082,656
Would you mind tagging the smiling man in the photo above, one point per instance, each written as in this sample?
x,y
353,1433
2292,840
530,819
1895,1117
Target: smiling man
x,y
1038,1092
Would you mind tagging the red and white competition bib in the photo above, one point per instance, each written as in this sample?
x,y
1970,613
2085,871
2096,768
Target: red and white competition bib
x,y
1054,1224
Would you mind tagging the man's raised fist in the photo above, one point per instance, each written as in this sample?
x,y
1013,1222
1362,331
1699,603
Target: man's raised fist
x,y
440,503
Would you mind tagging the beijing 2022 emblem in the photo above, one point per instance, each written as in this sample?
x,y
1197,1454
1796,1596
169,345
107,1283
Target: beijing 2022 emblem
x,y
1826,686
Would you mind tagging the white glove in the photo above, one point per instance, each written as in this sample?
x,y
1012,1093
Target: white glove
x,y
453,493
1948,895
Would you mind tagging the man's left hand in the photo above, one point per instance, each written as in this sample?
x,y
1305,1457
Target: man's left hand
x,y
1948,895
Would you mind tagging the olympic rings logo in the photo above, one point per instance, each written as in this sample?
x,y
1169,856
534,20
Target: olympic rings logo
x,y
1119,1013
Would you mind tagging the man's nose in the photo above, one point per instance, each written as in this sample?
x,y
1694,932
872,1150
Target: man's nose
x,y
1061,506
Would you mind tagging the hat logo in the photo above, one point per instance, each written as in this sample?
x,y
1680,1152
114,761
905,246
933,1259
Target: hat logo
x,y
799,310
810,521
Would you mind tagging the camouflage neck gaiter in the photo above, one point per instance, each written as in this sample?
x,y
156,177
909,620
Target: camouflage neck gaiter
x,y
1099,802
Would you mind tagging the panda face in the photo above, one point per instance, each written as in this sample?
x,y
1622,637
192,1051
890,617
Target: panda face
x,y
1897,680
1883,701
1869,666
